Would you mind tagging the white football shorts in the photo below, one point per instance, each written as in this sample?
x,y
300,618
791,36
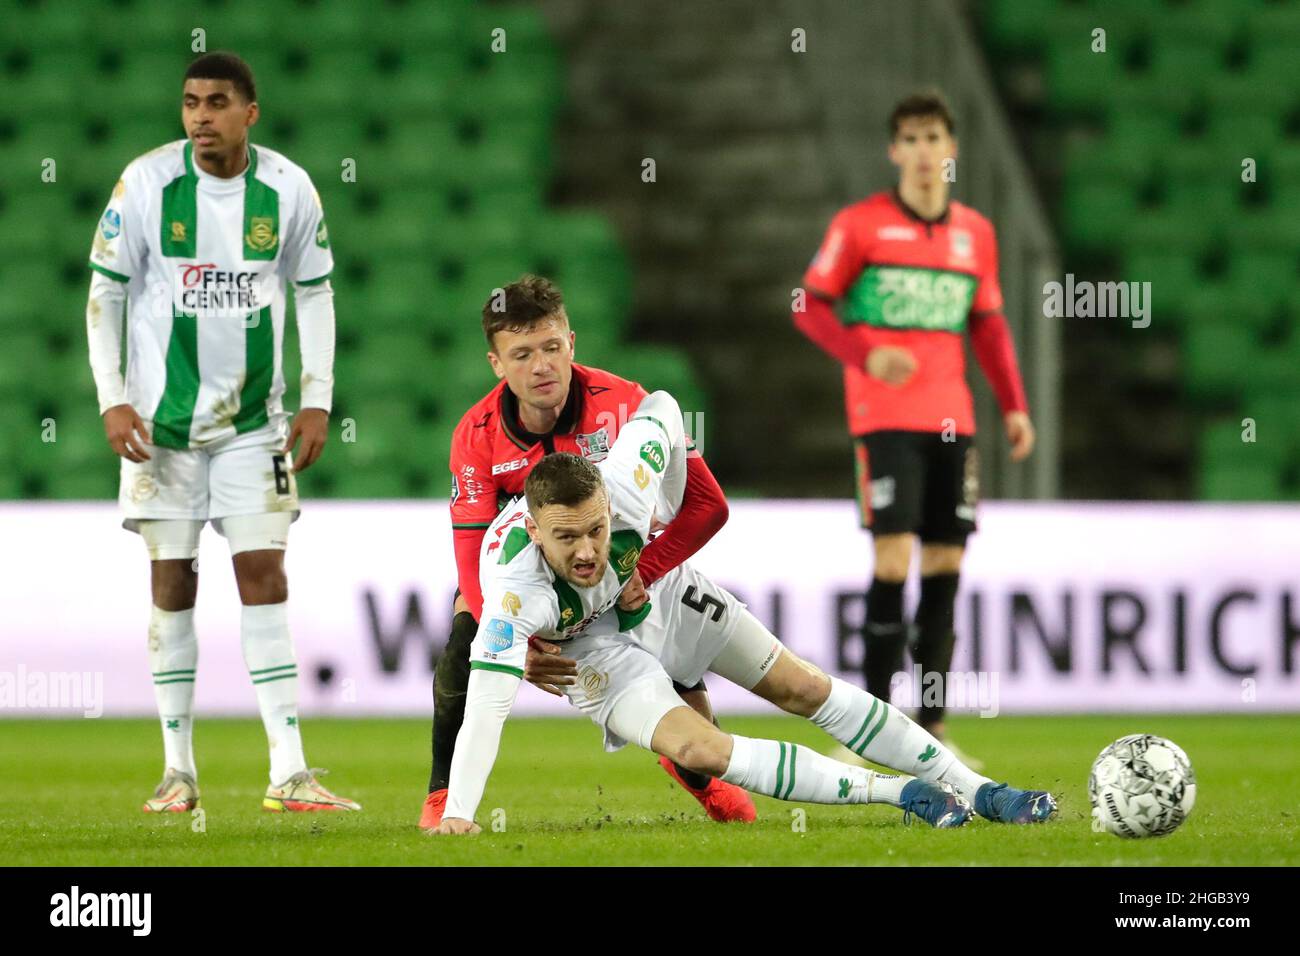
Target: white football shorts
x,y
625,679
241,475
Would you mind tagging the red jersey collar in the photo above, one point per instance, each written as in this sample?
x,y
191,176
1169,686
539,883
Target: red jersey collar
x,y
910,213
569,418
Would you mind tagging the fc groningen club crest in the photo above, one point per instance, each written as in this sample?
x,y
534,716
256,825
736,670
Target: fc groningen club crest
x,y
261,234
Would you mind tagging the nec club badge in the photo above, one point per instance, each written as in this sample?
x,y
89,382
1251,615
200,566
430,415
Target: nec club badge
x,y
594,446
962,246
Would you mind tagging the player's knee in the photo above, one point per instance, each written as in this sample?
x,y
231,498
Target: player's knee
x,y
941,558
261,578
893,556
463,629
174,584
707,753
804,687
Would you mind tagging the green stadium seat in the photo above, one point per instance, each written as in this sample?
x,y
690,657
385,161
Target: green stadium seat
x,y
44,26
1215,357
1172,276
98,483
1240,483
1022,25
1096,214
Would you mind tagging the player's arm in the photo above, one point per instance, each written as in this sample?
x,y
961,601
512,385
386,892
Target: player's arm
x,y
473,507
650,448
497,659
309,263
116,255
832,271
996,353
702,514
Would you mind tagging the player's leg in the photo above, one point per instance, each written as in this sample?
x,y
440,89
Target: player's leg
x,y
774,768
165,499
722,801
948,519
889,491
935,637
871,728
687,625
450,683
254,499
173,655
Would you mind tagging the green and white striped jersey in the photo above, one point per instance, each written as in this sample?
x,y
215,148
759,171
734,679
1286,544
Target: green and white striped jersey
x,y
522,594
206,262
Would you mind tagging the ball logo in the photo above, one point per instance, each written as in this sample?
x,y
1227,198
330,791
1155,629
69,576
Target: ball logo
x,y
110,226
498,635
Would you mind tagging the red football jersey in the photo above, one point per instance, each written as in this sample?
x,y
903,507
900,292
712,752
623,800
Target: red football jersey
x,y
491,454
914,283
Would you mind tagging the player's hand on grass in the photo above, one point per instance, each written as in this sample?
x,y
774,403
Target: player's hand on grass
x,y
545,668
312,425
454,826
126,433
1020,432
892,364
634,593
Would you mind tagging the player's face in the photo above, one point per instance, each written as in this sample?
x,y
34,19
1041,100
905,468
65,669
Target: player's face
x,y
920,148
575,539
216,117
537,363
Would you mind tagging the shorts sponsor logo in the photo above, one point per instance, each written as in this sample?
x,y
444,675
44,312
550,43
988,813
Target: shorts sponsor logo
x,y
652,453
110,224
594,683
970,485
771,656
882,493
143,488
498,635
594,446
505,467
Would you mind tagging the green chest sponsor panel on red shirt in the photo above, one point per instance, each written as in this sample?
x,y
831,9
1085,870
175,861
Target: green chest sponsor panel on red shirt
x,y
910,298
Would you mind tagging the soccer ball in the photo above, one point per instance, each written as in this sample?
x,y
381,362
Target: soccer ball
x,y
1141,785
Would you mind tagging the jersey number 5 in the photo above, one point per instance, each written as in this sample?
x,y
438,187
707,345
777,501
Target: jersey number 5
x,y
703,603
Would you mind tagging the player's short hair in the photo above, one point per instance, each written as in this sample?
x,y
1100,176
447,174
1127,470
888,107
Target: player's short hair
x,y
561,479
923,104
224,66
520,305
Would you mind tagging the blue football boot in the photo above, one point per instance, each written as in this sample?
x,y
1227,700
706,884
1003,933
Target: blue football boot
x,y
1003,803
937,805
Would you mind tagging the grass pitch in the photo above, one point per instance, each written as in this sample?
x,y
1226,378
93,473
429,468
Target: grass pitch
x,y
71,790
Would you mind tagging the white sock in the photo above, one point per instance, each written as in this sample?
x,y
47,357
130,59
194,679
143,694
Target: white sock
x,y
173,657
268,653
790,772
883,734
